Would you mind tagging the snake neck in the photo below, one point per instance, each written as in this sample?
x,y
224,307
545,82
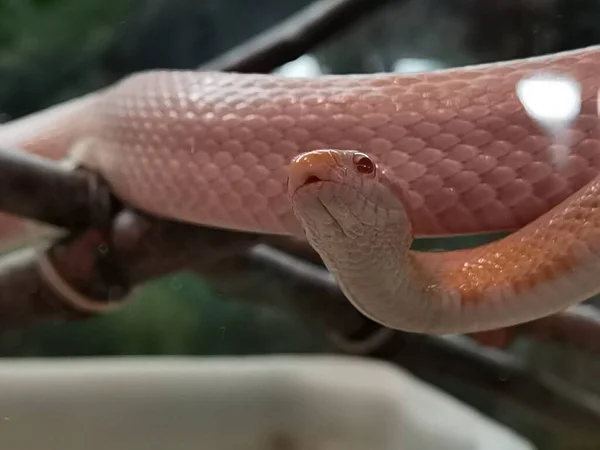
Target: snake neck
x,y
371,270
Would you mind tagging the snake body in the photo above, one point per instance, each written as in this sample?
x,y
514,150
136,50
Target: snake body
x,y
359,221
215,149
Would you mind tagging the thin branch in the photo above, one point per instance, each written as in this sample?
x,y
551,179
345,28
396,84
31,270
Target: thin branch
x,y
313,292
36,188
578,327
295,36
96,270
503,376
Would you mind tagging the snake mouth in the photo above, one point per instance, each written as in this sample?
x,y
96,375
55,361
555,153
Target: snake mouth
x,y
312,179
312,168
311,182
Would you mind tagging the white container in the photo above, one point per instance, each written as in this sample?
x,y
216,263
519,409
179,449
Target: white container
x,y
251,403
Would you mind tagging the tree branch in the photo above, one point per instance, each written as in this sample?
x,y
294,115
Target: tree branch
x,y
44,191
37,189
295,36
312,291
578,327
40,189
96,270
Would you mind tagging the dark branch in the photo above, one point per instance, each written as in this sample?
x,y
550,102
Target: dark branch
x,y
295,36
313,292
39,189
577,327
437,360
35,188
102,266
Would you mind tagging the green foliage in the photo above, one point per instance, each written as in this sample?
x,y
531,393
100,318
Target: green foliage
x,y
49,49
52,50
176,315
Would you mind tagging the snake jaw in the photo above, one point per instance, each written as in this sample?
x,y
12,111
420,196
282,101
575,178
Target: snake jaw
x,y
339,201
317,221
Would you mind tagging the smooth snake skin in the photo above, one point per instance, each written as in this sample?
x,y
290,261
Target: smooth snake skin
x,y
215,148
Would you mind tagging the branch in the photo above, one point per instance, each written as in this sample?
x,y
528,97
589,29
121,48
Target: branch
x,y
313,292
577,327
295,36
42,190
97,270
37,189
501,375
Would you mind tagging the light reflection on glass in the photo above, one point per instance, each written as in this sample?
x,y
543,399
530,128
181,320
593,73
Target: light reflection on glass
x,y
554,101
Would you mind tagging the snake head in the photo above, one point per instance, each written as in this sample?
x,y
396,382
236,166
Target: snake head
x,y
345,194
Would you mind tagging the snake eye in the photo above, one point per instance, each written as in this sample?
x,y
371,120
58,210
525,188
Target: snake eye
x,y
364,165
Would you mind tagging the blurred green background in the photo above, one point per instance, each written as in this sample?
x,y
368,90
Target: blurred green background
x,y
52,50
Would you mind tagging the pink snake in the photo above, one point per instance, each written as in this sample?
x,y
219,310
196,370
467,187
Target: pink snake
x,y
459,155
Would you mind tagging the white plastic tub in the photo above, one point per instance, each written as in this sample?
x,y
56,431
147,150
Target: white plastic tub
x,y
254,403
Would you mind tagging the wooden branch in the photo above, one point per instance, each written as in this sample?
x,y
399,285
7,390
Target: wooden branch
x,y
295,36
25,297
42,190
95,271
264,274
577,327
39,189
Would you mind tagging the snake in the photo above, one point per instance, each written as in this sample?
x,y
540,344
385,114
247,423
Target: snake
x,y
358,166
